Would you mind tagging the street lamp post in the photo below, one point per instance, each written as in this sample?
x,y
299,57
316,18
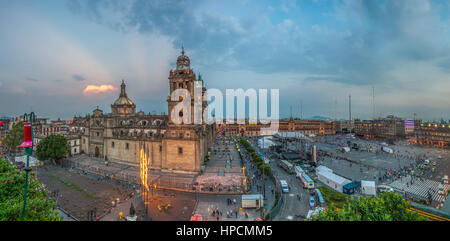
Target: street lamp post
x,y
28,145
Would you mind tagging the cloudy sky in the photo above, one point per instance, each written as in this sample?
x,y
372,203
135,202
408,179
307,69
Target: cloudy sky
x,y
63,58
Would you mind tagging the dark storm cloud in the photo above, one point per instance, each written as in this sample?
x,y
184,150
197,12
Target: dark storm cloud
x,y
366,38
78,77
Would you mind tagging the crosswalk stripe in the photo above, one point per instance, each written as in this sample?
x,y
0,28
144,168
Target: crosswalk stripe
x,y
420,189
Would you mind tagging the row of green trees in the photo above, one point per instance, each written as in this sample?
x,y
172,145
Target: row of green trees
x,y
39,206
14,137
52,147
388,206
256,158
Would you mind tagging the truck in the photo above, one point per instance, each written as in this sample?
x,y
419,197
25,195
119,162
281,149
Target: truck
x,y
368,188
252,201
387,150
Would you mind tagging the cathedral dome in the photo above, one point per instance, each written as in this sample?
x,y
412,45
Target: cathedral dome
x,y
123,105
123,97
123,101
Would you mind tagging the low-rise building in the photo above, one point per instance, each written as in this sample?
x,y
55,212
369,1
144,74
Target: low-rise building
x,y
72,140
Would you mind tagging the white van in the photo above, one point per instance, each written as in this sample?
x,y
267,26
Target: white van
x,y
384,188
284,186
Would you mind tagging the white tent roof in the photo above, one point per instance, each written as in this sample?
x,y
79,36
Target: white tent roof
x,y
289,135
367,183
33,161
267,142
323,168
333,177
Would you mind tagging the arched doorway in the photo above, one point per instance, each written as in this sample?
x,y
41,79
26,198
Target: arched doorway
x,y
97,152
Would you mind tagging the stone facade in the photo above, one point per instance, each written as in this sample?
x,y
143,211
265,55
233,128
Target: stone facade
x,y
305,127
390,127
119,136
432,134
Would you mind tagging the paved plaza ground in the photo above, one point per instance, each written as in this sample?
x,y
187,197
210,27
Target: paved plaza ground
x,y
372,165
100,184
224,166
161,205
206,203
78,194
404,155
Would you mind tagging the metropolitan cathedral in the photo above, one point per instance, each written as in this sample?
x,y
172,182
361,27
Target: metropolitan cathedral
x,y
170,147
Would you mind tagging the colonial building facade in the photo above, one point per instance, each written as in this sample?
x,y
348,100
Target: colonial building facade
x,y
390,127
433,134
120,136
305,127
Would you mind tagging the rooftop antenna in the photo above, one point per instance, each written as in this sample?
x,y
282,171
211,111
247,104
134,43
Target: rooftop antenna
x,y
301,109
350,107
373,102
335,109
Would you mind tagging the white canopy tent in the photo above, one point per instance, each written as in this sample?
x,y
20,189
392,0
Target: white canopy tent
x,y
33,161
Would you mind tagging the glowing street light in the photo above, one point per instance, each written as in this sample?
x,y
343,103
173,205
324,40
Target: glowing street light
x,y
28,145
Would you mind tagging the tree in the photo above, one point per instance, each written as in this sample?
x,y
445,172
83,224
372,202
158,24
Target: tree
x,y
39,206
14,137
388,206
52,147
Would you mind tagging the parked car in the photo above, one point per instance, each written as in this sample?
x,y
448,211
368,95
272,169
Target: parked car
x,y
384,188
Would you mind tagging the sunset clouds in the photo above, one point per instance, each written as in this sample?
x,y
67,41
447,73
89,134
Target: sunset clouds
x,y
76,52
95,89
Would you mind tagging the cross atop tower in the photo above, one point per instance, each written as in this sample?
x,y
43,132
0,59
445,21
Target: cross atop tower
x,y
123,92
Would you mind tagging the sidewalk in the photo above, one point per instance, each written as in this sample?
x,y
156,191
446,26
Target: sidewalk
x,y
124,207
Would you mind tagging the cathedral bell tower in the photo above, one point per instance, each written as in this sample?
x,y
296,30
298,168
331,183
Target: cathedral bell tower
x,y
182,81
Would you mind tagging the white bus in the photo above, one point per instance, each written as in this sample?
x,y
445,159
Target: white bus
x,y
286,165
308,183
284,186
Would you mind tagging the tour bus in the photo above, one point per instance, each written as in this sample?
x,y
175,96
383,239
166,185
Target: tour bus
x,y
286,165
284,186
307,181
